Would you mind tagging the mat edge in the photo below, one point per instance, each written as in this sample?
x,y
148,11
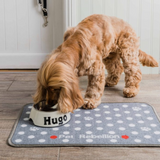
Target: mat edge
x,y
14,127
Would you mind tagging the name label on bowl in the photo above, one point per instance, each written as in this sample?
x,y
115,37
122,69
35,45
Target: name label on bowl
x,y
59,120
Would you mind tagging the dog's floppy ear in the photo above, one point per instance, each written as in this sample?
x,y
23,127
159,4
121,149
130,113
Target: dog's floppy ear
x,y
40,94
70,95
41,84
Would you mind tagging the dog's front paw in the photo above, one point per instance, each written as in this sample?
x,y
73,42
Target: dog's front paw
x,y
130,92
66,110
89,104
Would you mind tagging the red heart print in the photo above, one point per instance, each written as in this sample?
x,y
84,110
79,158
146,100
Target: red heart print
x,y
53,137
125,136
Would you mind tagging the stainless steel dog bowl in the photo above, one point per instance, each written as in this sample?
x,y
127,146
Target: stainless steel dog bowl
x,y
45,116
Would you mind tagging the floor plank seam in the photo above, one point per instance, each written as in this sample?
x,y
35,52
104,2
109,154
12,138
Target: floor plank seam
x,y
58,157
10,85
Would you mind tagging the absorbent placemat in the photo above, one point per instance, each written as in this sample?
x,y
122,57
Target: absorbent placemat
x,y
111,124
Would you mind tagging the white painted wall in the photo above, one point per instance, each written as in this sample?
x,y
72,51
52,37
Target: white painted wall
x,y
143,15
24,42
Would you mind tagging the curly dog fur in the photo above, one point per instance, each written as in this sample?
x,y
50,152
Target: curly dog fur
x,y
96,43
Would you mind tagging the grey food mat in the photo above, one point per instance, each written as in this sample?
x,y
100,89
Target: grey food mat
x,y
111,124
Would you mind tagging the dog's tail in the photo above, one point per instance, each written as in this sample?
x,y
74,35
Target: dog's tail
x,y
147,60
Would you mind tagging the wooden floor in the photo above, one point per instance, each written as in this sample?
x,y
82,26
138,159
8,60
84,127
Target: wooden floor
x,y
16,90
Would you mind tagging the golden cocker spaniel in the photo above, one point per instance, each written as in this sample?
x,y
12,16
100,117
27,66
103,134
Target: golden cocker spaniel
x,y
96,43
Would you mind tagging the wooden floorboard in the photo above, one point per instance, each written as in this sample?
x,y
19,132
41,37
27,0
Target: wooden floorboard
x,y
4,85
23,86
16,89
109,153
10,111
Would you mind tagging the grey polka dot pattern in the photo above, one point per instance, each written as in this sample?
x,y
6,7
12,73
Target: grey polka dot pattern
x,y
111,124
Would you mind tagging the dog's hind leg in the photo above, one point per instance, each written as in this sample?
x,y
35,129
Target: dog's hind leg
x,y
129,51
114,69
96,81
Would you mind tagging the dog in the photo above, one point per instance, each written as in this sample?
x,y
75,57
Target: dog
x,y
97,43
